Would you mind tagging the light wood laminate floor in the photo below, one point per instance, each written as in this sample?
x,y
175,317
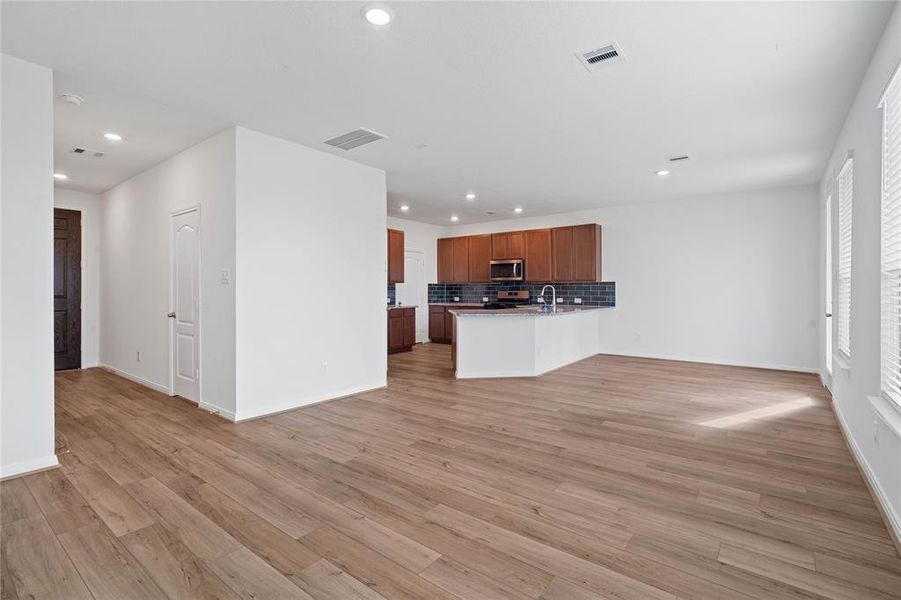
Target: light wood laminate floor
x,y
611,478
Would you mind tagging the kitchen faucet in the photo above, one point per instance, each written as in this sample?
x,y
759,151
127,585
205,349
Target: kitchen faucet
x,y
554,297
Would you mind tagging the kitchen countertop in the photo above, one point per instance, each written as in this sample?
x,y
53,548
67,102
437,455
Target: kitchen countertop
x,y
394,306
531,311
464,304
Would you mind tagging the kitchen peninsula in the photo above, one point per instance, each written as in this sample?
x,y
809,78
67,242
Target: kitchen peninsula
x,y
534,340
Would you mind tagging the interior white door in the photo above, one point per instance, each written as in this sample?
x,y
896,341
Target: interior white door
x,y
413,290
185,315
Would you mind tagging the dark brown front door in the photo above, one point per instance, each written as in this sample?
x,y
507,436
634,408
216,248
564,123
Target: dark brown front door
x,y
67,288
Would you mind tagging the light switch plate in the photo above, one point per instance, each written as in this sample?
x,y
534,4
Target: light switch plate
x,y
225,276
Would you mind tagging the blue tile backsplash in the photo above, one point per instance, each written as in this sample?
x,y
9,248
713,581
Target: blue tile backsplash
x,y
392,294
592,294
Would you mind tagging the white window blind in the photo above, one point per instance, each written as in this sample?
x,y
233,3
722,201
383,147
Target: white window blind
x,y
891,241
844,188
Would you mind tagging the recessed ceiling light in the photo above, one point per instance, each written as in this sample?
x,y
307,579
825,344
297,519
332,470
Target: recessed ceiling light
x,y
455,218
60,176
404,207
663,172
518,209
113,137
377,15
470,196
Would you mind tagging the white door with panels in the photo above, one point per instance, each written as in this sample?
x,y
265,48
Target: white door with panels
x,y
185,314
413,291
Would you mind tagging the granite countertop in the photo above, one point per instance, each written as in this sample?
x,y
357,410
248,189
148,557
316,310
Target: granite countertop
x,y
467,304
531,311
393,306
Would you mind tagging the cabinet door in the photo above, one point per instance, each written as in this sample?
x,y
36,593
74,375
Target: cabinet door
x,y
461,260
436,323
479,258
446,260
395,256
538,255
516,244
587,253
562,253
499,246
395,331
448,325
409,326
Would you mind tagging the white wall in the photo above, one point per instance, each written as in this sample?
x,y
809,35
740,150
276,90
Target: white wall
x,y
725,279
862,134
135,272
89,206
311,274
26,262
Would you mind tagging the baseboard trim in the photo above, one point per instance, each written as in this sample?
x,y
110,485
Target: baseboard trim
x,y
308,402
707,361
890,518
29,467
140,380
218,411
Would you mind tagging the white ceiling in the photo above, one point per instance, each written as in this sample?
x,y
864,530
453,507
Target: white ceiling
x,y
754,92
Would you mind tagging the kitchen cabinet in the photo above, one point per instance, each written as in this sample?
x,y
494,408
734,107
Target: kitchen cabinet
x,y
461,260
538,255
562,253
401,329
395,256
446,260
479,258
586,253
509,244
436,323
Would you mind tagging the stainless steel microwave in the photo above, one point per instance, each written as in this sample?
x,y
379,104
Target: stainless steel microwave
x,y
507,270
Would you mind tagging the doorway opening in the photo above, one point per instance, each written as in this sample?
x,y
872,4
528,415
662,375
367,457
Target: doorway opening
x,y
413,291
66,289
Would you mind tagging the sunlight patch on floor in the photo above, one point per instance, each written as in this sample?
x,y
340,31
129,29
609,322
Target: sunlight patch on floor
x,y
766,412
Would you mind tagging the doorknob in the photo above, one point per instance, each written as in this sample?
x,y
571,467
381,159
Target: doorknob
x,y
828,315
171,315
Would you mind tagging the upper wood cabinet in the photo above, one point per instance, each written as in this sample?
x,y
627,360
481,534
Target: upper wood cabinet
x,y
538,255
453,260
395,256
479,258
461,260
586,253
560,254
509,244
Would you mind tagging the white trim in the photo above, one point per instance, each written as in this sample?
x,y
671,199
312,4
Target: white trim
x,y
295,404
894,520
842,360
896,72
218,411
888,412
711,361
90,365
140,380
28,466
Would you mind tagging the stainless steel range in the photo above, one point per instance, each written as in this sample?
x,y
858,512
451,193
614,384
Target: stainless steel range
x,y
509,299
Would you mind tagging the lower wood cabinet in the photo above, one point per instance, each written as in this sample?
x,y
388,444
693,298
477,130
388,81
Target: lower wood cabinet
x,y
441,324
401,329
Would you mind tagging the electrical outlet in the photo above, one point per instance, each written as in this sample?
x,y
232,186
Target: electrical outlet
x,y
577,301
456,298
225,276
540,299
637,338
484,298
560,299
324,367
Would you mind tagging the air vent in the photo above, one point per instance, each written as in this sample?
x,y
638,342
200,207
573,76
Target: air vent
x,y
678,158
355,138
600,57
86,152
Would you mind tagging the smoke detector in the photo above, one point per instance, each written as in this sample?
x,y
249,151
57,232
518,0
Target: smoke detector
x,y
355,138
600,57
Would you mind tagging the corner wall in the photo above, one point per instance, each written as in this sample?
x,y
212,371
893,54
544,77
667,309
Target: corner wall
x,y
853,385
728,279
310,275
135,271
89,206
26,262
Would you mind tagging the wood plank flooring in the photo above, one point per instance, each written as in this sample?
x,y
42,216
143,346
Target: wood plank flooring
x,y
611,478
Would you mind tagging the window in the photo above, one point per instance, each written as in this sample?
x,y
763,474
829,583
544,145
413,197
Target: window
x,y
844,185
891,241
828,291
